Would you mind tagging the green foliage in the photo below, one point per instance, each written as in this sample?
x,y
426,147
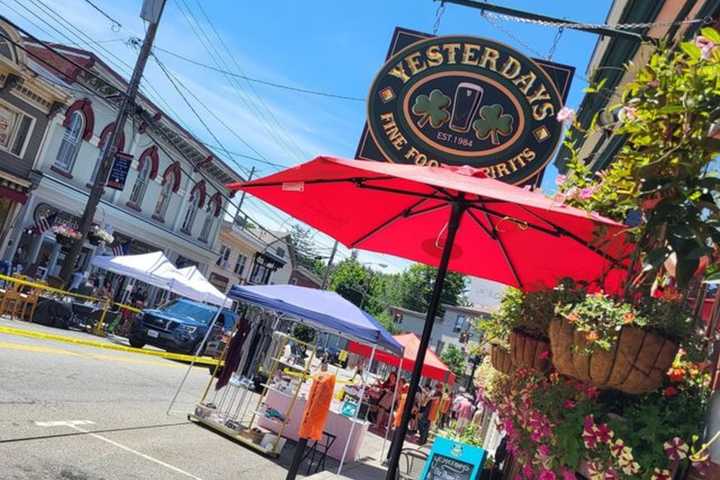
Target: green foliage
x,y
602,318
386,321
470,435
663,168
303,333
432,108
416,285
454,358
492,122
304,249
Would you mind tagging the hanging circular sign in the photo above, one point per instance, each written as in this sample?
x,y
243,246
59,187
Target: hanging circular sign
x,y
465,101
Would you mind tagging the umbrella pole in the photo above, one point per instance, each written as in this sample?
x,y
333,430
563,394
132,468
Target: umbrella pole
x,y
458,209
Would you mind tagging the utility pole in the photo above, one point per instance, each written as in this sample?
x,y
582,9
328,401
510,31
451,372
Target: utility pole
x,y
238,212
152,11
326,277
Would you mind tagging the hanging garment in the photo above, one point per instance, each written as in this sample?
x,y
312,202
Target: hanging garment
x,y
317,406
234,353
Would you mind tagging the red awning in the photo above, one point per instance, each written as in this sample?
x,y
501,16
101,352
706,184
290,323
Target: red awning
x,y
433,367
13,195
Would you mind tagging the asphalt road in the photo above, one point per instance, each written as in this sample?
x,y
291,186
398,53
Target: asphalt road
x,y
81,413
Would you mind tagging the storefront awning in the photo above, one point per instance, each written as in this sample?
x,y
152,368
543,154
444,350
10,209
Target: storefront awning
x,y
14,188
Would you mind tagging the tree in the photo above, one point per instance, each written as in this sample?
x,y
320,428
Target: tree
x,y
305,251
454,358
386,321
416,286
354,282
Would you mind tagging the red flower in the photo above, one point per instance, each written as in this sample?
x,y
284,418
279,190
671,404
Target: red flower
x,y
670,392
568,404
592,392
676,375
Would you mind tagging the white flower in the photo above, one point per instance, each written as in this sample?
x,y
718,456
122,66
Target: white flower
x,y
566,115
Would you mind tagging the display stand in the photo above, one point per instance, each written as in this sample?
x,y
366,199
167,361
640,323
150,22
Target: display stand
x,y
230,411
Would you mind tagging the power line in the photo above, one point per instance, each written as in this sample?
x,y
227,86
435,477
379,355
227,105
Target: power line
x,y
260,81
115,23
216,57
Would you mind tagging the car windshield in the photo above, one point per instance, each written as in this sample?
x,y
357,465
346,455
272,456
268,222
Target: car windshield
x,y
199,313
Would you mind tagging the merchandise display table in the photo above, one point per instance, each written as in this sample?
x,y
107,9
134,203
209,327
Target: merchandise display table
x,y
337,424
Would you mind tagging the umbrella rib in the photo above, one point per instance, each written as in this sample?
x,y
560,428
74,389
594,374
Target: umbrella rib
x,y
318,181
404,213
427,196
505,253
574,237
499,215
482,225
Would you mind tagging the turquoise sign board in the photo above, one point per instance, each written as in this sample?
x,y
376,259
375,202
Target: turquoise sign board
x,y
451,460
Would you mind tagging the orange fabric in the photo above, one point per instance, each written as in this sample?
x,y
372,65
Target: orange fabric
x,y
317,406
445,404
434,409
399,411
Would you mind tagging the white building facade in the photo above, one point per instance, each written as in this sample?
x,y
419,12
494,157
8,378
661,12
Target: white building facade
x,y
173,198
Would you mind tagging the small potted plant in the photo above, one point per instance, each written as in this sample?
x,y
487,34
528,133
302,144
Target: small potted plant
x,y
65,234
98,236
614,344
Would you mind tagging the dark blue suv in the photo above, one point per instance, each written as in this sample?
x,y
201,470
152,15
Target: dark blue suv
x,y
180,325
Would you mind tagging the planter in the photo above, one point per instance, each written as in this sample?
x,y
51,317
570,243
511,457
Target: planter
x,y
64,240
636,364
501,359
529,352
94,240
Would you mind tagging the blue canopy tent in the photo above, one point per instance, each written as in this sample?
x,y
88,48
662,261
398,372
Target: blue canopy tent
x,y
320,309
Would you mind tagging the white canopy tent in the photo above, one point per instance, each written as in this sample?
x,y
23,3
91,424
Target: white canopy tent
x,y
157,270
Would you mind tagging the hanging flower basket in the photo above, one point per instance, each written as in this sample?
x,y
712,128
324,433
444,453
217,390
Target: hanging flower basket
x,y
97,236
635,364
529,352
501,359
65,234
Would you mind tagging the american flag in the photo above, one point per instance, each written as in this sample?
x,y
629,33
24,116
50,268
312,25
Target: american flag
x,y
44,224
119,249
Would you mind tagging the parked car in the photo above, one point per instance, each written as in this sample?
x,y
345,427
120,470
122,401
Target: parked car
x,y
180,325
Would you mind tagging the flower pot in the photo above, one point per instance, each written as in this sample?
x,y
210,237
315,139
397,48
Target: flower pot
x,y
529,352
63,239
501,359
635,364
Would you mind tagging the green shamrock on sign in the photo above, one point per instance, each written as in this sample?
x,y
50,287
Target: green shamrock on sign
x,y
432,108
492,122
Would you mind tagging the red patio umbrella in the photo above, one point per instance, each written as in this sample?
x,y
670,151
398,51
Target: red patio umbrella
x,y
449,218
433,367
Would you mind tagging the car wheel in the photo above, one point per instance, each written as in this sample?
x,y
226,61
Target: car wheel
x,y
136,343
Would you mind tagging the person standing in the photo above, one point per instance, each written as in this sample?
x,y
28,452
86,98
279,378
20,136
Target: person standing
x,y
464,412
398,418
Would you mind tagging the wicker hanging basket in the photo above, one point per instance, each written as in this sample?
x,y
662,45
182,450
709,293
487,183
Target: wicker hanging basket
x,y
636,364
501,359
529,352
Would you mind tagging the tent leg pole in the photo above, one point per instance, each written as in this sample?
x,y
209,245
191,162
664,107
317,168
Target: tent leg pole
x,y
458,209
392,405
197,353
357,412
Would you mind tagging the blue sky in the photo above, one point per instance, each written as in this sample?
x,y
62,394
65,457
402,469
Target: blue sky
x,y
333,46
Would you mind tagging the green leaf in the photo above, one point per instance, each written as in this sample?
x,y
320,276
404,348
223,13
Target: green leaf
x,y
711,34
692,50
432,108
492,122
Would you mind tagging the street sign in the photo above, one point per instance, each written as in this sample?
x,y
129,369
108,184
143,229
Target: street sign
x,y
462,100
451,460
119,171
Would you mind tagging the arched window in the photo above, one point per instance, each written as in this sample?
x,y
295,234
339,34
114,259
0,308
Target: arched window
x,y
141,183
170,184
71,141
103,145
191,212
211,213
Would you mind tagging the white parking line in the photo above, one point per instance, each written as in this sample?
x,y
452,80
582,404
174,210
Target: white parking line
x,y
74,425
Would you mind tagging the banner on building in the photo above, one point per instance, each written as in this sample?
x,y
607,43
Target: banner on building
x,y
119,171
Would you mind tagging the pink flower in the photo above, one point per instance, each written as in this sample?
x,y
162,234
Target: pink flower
x,y
676,449
560,179
568,474
568,404
705,45
661,474
547,475
566,115
611,474
586,193
571,192
544,355
592,392
627,113
528,471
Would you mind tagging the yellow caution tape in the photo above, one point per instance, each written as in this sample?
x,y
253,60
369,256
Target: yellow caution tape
x,y
59,291
107,346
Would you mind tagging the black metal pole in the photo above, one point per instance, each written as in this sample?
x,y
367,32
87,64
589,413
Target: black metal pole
x,y
110,149
297,459
458,209
511,12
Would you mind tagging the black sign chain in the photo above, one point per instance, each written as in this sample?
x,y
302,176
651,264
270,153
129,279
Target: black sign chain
x,y
555,43
438,17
